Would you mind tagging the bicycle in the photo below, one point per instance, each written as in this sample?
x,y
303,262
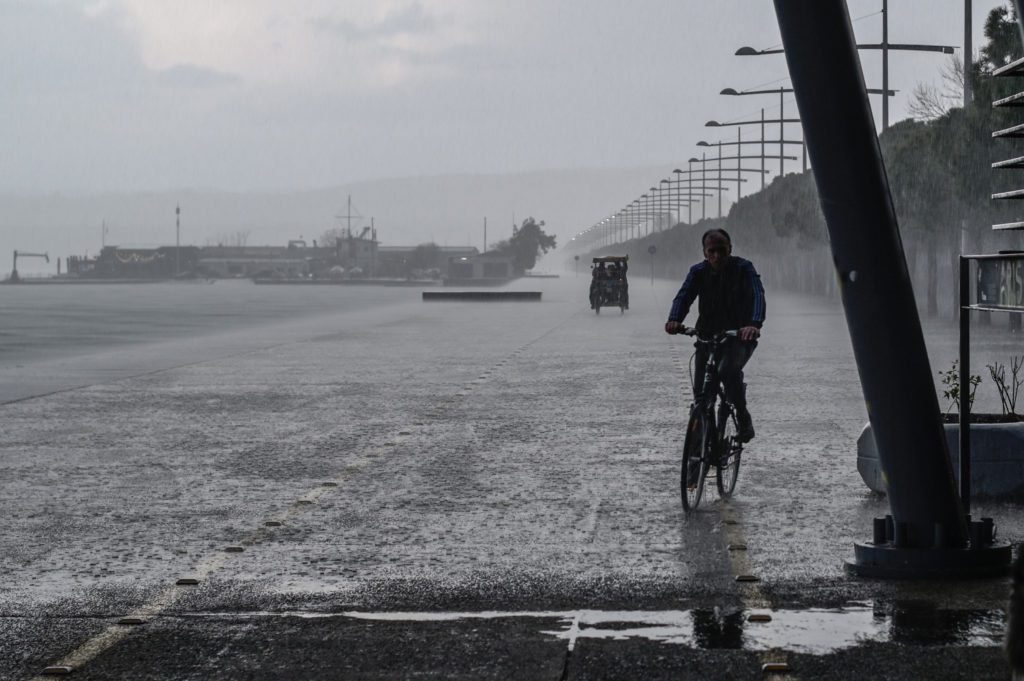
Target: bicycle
x,y
711,439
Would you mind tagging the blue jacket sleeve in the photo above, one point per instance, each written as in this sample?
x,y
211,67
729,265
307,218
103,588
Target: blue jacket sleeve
x,y
687,294
758,306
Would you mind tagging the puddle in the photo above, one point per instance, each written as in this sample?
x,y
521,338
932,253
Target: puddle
x,y
814,631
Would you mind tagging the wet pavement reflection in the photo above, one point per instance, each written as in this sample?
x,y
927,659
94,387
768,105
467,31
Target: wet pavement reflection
x,y
814,631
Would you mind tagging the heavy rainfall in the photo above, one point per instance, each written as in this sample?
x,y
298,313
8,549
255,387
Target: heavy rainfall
x,y
426,422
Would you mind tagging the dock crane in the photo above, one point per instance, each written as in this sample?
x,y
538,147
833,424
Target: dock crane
x,y
14,270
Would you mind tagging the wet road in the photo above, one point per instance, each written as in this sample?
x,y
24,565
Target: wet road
x,y
364,485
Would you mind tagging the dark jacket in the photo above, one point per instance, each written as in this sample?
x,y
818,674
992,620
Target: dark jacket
x,y
729,299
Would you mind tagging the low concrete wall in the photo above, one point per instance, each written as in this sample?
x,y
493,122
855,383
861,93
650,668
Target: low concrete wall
x,y
479,281
997,459
482,295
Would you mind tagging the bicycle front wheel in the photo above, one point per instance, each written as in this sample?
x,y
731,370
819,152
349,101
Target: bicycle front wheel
x,y
695,460
729,450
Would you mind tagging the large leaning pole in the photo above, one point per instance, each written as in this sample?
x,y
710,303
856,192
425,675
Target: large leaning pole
x,y
927,533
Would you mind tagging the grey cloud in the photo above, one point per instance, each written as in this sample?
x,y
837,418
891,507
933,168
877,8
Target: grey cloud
x,y
48,47
411,19
189,76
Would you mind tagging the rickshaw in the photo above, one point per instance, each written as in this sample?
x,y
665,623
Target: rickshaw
x,y
608,284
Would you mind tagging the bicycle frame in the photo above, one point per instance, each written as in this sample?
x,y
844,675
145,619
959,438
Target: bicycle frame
x,y
712,389
716,450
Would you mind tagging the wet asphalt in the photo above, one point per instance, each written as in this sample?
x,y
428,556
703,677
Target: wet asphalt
x,y
363,485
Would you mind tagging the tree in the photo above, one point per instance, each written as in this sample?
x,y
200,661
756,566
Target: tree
x,y
1004,45
928,102
527,243
331,236
423,257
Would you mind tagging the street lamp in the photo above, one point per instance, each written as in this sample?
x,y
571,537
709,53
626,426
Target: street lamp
x,y
704,187
732,92
739,154
884,46
718,177
688,198
751,52
781,141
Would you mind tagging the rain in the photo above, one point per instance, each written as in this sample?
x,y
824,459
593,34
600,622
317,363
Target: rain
x,y
322,412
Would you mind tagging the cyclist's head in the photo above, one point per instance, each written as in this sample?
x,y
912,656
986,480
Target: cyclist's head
x,y
717,247
715,230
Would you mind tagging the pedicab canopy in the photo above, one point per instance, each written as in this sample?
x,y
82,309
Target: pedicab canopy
x,y
612,258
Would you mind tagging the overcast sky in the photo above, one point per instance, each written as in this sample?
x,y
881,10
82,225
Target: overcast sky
x,y
113,111
114,95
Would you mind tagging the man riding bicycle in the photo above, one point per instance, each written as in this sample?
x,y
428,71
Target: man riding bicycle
x,y
731,297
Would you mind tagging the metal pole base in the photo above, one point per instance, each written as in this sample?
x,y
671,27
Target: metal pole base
x,y
890,562
889,556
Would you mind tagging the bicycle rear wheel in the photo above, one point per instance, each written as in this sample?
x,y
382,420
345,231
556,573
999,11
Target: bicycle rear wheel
x,y
695,460
729,450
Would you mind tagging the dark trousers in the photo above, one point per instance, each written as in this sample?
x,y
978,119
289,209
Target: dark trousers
x,y
731,358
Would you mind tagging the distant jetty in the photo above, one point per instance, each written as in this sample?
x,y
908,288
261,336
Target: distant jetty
x,y
347,282
55,281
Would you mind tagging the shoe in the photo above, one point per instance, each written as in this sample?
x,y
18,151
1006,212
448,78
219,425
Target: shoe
x,y
746,426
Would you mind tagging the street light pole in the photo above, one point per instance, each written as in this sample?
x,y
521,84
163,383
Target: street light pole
x,y
703,183
739,155
782,129
719,182
177,240
703,161
930,535
649,222
667,205
644,210
885,46
651,217
648,212
689,189
885,63
679,195
762,121
968,55
658,210
762,149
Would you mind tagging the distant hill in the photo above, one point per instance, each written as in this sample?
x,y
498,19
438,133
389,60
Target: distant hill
x,y
446,209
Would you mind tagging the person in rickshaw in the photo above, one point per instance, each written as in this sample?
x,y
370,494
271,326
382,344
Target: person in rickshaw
x,y
597,276
617,273
623,266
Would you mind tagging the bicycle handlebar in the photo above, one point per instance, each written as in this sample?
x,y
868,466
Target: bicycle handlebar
x,y
721,335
